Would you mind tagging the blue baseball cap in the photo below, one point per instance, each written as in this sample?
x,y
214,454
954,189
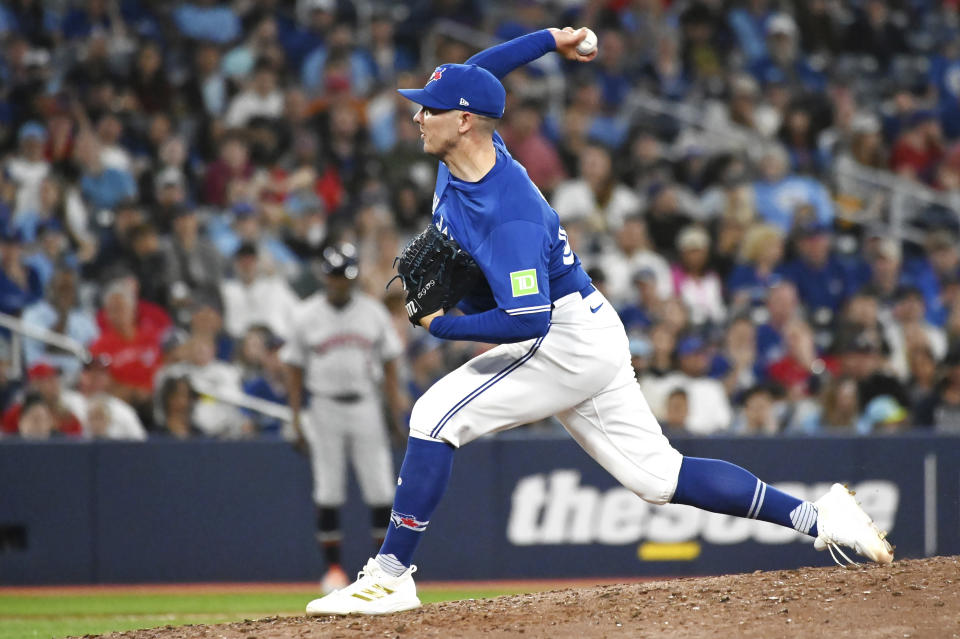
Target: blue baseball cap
x,y
690,345
466,87
33,129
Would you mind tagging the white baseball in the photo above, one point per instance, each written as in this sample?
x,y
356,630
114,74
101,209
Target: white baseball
x,y
589,44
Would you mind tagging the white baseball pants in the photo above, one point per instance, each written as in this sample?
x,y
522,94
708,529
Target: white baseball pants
x,y
579,372
336,430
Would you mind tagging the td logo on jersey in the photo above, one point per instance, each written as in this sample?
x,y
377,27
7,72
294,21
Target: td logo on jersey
x,y
554,508
524,282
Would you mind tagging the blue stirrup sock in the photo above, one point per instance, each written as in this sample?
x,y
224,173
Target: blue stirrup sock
x,y
722,487
424,476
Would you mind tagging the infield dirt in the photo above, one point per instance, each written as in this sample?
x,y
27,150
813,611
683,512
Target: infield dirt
x,y
913,598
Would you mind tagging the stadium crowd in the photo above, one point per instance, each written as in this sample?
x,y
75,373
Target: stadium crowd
x,y
172,172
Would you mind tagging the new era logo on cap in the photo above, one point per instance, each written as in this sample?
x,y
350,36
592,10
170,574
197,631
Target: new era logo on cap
x,y
467,87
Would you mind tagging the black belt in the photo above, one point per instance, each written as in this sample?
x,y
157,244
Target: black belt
x,y
346,398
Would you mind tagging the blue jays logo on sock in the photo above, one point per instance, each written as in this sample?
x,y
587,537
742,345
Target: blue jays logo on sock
x,y
407,521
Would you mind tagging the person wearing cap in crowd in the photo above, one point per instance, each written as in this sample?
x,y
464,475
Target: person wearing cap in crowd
x,y
102,186
132,348
709,407
61,312
51,251
694,282
44,380
343,349
247,223
203,316
883,414
822,280
29,168
102,415
861,356
20,283
889,271
641,351
238,225
252,298
785,62
779,193
644,307
50,207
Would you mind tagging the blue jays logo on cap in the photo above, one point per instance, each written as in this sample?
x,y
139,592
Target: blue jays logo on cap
x,y
437,74
467,87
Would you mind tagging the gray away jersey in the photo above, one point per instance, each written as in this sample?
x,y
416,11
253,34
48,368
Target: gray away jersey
x,y
342,350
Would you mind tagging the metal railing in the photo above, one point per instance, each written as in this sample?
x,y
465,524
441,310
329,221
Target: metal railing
x,y
20,330
865,196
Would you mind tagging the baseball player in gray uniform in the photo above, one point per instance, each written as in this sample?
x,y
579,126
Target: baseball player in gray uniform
x,y
342,349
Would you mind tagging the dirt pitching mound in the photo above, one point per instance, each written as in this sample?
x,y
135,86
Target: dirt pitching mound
x,y
913,598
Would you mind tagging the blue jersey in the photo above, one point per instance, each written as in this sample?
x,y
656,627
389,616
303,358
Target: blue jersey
x,y
508,227
505,223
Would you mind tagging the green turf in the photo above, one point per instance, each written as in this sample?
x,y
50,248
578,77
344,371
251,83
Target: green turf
x,y
46,616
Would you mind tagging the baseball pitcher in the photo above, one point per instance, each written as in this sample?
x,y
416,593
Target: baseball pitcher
x,y
562,349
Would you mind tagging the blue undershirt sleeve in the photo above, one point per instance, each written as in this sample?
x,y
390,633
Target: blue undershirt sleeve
x,y
493,327
512,54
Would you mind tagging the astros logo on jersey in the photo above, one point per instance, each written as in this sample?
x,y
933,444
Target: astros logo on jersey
x,y
400,520
437,74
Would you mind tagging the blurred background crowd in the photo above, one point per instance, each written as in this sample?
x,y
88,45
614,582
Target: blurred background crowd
x,y
765,189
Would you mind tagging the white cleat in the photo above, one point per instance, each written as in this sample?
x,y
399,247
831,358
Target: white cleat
x,y
842,522
373,593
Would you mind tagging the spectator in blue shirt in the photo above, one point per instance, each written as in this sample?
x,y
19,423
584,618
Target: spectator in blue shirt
x,y
749,25
823,282
101,186
749,281
782,306
268,383
60,313
361,71
207,21
20,284
784,63
779,194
